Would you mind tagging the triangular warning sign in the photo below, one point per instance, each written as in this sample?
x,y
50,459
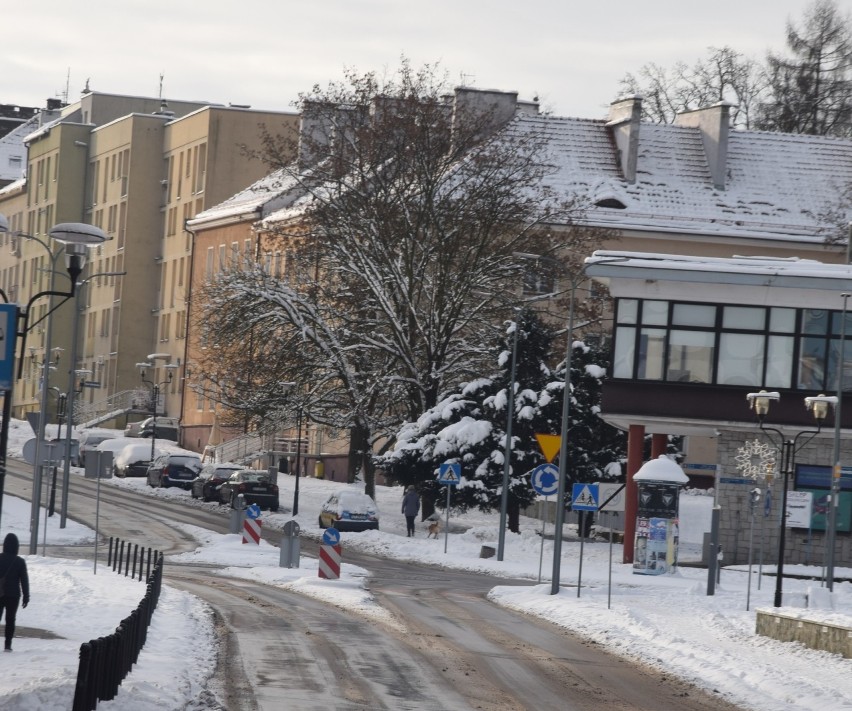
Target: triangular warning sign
x,y
549,444
585,498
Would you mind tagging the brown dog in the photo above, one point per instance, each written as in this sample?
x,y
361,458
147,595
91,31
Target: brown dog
x,y
434,528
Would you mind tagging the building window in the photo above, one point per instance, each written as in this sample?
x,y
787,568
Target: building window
x,y
736,345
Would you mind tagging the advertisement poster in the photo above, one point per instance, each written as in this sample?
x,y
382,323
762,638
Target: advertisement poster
x,y
654,552
816,479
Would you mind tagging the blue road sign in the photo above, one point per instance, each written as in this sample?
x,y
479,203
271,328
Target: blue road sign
x,y
331,537
585,497
545,479
449,473
253,511
8,339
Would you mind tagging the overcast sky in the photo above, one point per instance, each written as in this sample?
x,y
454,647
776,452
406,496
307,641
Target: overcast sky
x,y
569,53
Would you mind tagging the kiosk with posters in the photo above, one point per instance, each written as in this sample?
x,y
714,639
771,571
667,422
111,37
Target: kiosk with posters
x,y
655,549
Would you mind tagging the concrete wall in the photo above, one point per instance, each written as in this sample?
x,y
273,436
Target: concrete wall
x,y
815,635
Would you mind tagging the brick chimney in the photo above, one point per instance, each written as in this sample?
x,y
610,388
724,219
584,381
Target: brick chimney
x,y
624,119
714,123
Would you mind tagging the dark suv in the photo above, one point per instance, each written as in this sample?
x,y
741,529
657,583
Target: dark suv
x,y
174,470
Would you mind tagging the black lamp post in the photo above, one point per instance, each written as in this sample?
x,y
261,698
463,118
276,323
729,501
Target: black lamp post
x,y
76,238
818,406
155,393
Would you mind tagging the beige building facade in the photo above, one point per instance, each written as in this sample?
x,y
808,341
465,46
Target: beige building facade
x,y
138,168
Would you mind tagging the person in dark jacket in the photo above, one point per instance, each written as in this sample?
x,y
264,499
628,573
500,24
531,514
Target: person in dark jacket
x,y
410,507
16,582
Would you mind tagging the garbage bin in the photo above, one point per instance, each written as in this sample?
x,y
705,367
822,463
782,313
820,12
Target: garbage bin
x,y
289,557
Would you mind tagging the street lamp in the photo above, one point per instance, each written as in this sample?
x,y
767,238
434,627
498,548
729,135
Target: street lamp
x,y
75,237
831,531
155,390
504,494
818,406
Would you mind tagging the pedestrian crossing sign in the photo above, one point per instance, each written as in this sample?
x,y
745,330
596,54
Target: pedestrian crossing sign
x,y
449,473
585,497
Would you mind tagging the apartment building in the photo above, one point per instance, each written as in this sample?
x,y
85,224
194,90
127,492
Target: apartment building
x,y
138,168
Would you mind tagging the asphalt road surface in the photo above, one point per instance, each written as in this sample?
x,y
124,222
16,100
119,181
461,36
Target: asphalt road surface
x,y
448,648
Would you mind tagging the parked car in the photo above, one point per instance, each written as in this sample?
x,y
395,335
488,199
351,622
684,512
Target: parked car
x,y
132,460
256,486
134,429
349,510
173,470
164,430
88,442
206,485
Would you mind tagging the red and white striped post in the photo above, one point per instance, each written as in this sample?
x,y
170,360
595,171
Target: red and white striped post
x,y
252,525
329,555
329,562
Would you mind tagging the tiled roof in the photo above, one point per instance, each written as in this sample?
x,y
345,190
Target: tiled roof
x,y
778,186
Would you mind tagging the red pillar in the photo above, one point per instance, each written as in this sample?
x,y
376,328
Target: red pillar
x,y
635,442
658,445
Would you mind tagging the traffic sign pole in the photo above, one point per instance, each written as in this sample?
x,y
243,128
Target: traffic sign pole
x,y
449,474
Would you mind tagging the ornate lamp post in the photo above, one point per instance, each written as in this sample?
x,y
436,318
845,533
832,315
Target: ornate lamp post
x,y
155,390
788,449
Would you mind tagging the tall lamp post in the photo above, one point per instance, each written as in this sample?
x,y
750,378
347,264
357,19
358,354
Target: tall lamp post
x,y
155,390
504,494
831,531
76,238
818,406
566,411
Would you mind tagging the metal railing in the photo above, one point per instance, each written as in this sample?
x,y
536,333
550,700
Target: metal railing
x,y
247,447
89,414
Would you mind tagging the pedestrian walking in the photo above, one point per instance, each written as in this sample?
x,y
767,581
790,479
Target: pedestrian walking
x,y
14,582
410,507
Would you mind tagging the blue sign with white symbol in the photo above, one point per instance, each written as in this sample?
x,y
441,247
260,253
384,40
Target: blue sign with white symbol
x,y
8,338
545,479
331,537
253,511
585,497
767,504
449,473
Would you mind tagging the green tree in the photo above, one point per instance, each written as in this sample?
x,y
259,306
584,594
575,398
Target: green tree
x,y
811,87
406,211
469,426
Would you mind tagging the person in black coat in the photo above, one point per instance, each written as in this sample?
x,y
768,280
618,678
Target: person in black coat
x,y
13,570
410,507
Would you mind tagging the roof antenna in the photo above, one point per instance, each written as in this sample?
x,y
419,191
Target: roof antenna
x,y
160,95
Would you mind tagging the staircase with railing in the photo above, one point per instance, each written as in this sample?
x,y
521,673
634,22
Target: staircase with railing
x,y
248,447
89,414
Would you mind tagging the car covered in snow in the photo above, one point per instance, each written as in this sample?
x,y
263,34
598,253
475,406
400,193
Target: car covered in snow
x,y
349,510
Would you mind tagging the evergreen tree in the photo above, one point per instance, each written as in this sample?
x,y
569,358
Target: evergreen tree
x,y
469,427
811,89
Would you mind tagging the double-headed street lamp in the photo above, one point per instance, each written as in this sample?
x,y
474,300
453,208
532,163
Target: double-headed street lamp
x,y
818,406
15,324
155,388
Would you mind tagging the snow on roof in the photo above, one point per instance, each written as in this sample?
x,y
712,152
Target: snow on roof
x,y
267,195
789,272
777,185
